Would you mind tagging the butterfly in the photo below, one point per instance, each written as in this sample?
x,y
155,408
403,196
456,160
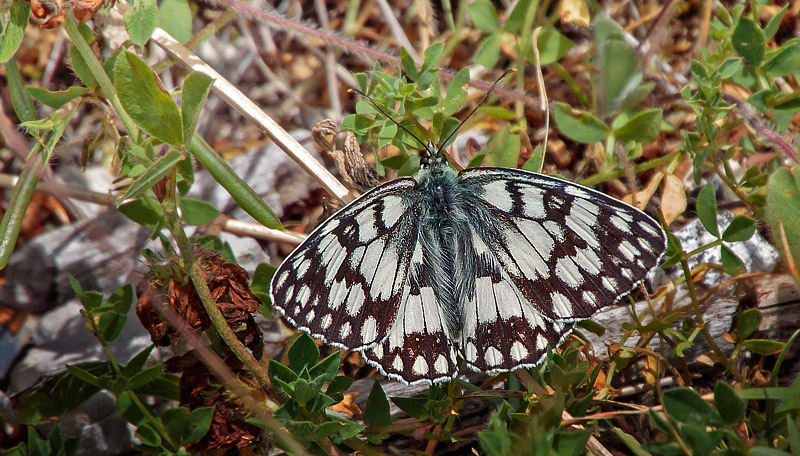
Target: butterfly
x,y
487,266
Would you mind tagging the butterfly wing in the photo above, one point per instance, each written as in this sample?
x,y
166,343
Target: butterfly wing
x,y
345,282
568,249
502,329
548,253
418,348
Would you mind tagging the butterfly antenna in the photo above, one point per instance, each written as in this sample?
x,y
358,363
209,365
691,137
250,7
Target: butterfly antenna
x,y
483,100
385,114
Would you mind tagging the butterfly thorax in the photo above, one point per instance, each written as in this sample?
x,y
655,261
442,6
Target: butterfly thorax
x,y
445,238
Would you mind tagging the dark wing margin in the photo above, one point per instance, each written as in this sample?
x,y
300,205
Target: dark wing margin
x,y
344,283
568,249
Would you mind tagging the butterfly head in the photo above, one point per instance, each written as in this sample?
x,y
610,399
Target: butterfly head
x,y
431,156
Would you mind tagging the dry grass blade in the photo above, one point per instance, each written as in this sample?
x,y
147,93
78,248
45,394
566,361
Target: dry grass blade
x,y
248,108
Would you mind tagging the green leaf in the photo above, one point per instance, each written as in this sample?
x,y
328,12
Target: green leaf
x,y
410,167
199,423
793,433
152,175
326,429
276,370
112,321
416,407
552,46
630,441
583,127
504,149
136,363
193,98
242,193
496,440
731,263
488,51
764,346
571,443
140,20
327,367
619,72
197,212
175,17
11,37
516,19
774,22
456,92
147,435
776,393
145,376
303,352
686,406
57,99
144,211
477,160
535,163
408,64
376,411
338,385
348,431
80,68
484,15
707,209
174,420
85,375
56,394
305,391
147,102
767,451
740,229
730,406
783,210
701,442
21,100
128,408
785,61
642,128
748,323
748,40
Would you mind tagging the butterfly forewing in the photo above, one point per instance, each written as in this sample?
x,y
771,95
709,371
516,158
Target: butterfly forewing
x,y
344,284
568,249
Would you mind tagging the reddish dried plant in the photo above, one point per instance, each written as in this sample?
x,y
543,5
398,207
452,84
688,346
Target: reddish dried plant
x,y
167,284
54,14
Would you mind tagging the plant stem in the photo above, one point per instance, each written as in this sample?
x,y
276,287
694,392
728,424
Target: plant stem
x,y
196,274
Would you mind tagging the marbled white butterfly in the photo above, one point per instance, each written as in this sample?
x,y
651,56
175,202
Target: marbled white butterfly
x,y
488,265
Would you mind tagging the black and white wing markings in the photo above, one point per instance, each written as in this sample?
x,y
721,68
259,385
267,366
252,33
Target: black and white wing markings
x,y
502,329
345,282
418,348
568,249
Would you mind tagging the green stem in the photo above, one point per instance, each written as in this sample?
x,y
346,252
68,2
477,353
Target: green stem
x,y
703,248
654,163
573,86
721,358
196,274
107,88
25,187
154,422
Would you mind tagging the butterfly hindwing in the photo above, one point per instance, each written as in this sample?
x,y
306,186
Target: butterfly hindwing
x,y
568,249
344,283
418,348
